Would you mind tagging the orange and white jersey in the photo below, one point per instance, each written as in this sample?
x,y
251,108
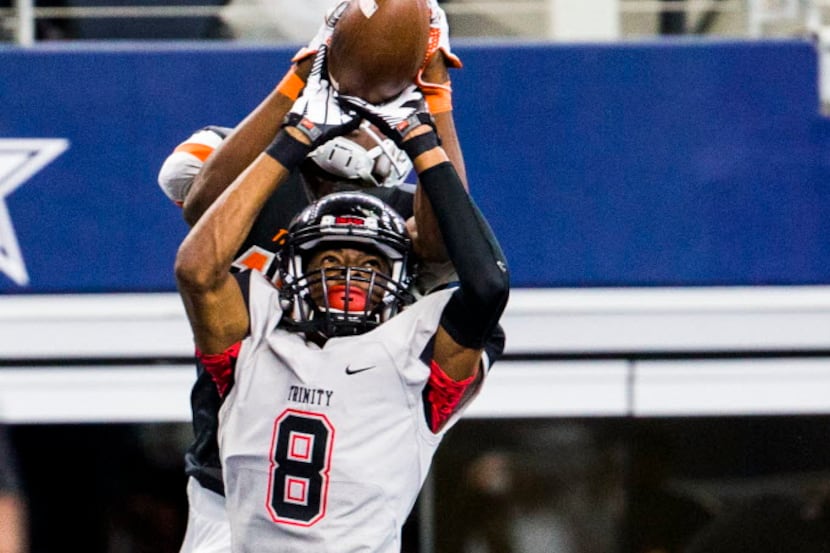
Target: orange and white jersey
x,y
181,166
325,449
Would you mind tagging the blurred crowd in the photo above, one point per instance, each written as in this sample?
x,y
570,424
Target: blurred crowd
x,y
575,487
548,486
284,21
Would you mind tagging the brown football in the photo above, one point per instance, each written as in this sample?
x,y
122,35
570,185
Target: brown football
x,y
378,46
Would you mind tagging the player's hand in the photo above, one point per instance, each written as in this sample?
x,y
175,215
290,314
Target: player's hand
x,y
316,117
439,30
395,118
317,113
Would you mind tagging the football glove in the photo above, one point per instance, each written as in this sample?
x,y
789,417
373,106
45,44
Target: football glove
x,y
439,36
395,118
317,113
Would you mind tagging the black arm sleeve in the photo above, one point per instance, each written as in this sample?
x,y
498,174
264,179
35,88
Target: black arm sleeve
x,y
476,306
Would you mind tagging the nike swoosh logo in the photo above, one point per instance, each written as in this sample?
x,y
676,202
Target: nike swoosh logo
x,y
350,370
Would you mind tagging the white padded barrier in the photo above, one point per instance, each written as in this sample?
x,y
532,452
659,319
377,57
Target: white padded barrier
x,y
570,352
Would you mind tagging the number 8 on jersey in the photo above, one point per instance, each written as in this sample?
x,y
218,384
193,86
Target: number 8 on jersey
x,y
300,462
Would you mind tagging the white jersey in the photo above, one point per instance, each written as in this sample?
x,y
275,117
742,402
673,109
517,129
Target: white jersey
x,y
325,449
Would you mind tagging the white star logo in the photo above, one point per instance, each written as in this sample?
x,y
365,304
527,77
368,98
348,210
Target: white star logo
x,y
20,159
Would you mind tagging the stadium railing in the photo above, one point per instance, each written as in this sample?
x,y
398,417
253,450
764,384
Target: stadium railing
x,y
522,19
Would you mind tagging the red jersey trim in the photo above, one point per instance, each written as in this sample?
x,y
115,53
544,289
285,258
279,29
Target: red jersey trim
x,y
220,366
443,395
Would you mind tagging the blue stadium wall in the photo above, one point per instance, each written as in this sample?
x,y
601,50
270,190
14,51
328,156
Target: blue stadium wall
x,y
655,164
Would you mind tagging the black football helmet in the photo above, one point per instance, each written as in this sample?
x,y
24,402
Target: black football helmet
x,y
325,301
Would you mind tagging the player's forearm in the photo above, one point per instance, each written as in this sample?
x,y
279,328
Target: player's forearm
x,y
212,299
437,87
471,245
431,245
207,252
242,146
13,527
445,126
235,153
477,305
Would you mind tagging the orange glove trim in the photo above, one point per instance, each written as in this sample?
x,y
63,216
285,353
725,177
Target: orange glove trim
x,y
434,46
438,98
291,85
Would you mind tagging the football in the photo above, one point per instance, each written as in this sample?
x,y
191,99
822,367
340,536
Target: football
x,y
378,46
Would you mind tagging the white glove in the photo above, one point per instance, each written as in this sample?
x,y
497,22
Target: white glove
x,y
317,112
439,35
395,118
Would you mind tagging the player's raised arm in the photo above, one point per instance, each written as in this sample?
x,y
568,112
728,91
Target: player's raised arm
x,y
472,315
212,298
239,149
434,81
253,134
241,146
399,28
